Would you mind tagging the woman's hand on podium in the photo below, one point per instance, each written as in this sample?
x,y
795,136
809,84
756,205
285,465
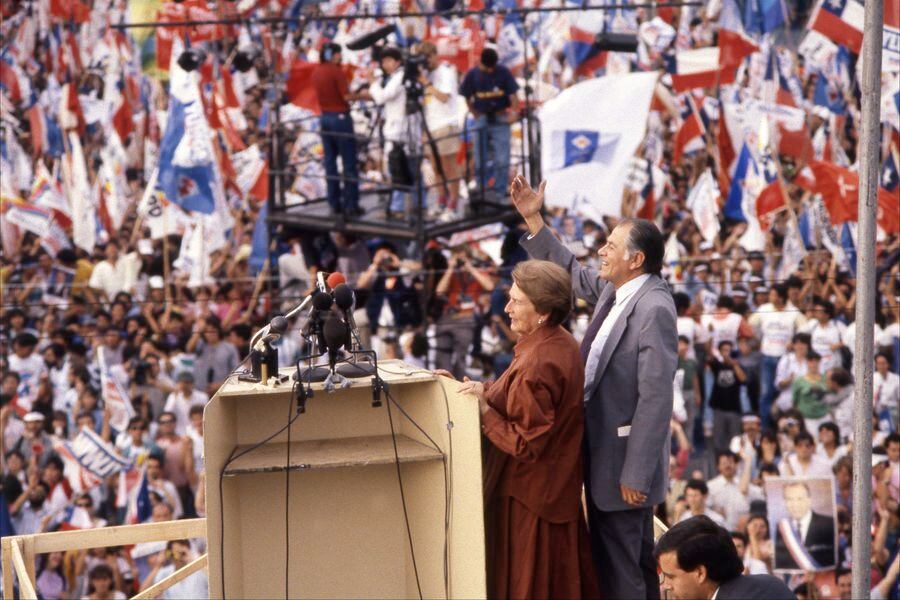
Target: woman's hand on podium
x,y
476,388
444,373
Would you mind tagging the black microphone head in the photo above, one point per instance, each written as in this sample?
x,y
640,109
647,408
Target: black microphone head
x,y
322,300
343,297
335,332
370,38
278,325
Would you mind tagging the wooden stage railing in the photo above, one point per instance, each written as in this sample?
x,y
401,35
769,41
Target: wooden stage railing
x,y
19,551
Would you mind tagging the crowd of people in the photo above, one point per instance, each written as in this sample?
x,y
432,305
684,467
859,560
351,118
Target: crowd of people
x,y
121,323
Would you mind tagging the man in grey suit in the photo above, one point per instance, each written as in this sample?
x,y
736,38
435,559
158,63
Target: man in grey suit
x,y
630,355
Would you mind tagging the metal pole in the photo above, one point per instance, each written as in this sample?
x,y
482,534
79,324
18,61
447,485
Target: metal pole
x,y
869,167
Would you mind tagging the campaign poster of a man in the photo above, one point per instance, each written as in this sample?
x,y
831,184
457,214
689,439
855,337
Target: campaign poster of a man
x,y
802,519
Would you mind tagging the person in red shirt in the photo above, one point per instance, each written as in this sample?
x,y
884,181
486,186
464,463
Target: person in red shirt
x,y
332,90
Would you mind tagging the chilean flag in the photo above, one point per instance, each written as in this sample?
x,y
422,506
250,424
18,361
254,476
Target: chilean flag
x,y
734,47
839,188
694,68
690,134
75,518
648,209
706,67
841,21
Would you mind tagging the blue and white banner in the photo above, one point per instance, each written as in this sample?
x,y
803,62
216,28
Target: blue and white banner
x,y
89,460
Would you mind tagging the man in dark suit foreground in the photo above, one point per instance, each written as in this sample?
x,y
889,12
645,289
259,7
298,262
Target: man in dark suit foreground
x,y
698,561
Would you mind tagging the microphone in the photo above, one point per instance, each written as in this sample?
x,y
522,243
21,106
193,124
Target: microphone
x,y
273,331
371,38
321,302
336,332
344,299
335,279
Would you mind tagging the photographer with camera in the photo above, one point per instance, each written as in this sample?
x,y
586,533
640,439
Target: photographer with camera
x,y
462,284
402,130
332,90
490,92
149,381
441,99
390,289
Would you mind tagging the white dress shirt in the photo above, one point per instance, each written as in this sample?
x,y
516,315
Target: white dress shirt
x,y
803,528
623,294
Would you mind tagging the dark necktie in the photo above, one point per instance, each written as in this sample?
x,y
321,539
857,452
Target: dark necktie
x,y
594,327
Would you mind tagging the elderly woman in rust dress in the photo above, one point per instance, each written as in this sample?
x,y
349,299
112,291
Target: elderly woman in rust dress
x,y
533,418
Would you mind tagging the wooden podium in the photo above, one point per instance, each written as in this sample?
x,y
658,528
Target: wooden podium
x,y
348,536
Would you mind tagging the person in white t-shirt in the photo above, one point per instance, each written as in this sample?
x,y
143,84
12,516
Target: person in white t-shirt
x,y
791,366
826,334
182,399
752,566
695,493
195,585
886,396
849,338
30,367
776,326
441,105
117,273
687,326
803,461
725,325
830,447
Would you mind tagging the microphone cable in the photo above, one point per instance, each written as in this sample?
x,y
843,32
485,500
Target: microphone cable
x,y
287,493
412,549
447,460
231,458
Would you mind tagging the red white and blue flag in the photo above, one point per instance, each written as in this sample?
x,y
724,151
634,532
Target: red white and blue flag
x,y
841,21
690,133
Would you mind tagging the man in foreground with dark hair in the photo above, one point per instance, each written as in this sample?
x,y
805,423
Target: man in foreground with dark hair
x,y
698,561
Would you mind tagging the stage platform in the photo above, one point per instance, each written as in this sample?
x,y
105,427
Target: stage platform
x,y
316,215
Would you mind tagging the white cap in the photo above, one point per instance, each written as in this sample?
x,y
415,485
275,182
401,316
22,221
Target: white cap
x,y
156,282
33,416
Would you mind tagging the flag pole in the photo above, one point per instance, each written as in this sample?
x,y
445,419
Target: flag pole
x,y
869,166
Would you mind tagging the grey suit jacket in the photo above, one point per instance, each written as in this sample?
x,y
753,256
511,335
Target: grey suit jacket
x,y
632,386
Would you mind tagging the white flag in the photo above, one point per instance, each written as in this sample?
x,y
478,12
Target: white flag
x,y
792,252
83,213
591,131
702,201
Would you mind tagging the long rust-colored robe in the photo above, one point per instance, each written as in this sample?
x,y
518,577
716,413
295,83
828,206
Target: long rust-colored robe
x,y
537,540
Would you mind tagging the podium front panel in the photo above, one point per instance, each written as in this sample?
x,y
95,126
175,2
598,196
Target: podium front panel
x,y
348,536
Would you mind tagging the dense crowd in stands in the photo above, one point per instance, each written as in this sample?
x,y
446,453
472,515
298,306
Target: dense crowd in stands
x,y
118,332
